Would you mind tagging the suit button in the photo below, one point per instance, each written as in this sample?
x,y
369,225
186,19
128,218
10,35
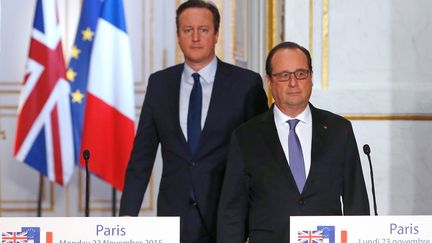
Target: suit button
x,y
192,163
301,202
193,204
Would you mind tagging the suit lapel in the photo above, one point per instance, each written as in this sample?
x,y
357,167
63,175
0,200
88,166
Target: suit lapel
x,y
173,98
272,141
319,137
319,140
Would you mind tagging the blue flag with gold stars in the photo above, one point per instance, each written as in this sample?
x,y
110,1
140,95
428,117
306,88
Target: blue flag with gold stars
x,y
79,63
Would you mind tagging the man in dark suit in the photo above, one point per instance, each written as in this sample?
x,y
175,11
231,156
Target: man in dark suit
x,y
191,109
292,160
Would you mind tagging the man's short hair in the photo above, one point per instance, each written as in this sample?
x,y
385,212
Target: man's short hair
x,y
287,45
199,4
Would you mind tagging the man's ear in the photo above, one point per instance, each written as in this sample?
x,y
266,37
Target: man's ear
x,y
311,74
217,36
268,79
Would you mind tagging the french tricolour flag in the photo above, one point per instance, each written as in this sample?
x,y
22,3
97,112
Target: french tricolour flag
x,y
108,129
44,137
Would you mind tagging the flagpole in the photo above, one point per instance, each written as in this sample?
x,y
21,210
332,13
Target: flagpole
x,y
114,202
87,193
40,195
86,157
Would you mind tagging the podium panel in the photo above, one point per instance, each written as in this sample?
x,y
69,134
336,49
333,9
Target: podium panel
x,y
91,230
361,229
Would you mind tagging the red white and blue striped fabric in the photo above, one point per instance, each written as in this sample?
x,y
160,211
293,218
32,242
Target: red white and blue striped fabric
x,y
109,115
44,131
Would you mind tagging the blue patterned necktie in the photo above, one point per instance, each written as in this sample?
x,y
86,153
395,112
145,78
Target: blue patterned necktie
x,y
194,114
296,160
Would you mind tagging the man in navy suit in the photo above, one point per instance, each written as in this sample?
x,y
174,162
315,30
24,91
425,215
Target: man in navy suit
x,y
292,160
191,109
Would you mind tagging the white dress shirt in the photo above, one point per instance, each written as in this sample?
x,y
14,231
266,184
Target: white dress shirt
x,y
303,130
207,75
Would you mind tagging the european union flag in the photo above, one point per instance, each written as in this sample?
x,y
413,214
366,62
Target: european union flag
x,y
328,232
33,234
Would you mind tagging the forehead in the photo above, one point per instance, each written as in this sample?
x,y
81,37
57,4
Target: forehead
x,y
289,59
196,16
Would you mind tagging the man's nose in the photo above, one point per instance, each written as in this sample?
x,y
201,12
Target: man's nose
x,y
195,35
292,81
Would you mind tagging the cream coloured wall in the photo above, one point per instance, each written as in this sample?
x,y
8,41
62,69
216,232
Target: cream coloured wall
x,y
372,64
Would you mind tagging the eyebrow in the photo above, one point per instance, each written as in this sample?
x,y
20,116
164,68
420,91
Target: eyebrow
x,y
190,26
298,69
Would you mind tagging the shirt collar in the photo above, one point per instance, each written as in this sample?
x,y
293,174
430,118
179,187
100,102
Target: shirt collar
x,y
207,73
281,119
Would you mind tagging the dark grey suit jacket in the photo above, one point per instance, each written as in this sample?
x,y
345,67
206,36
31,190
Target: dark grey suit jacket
x,y
260,194
237,96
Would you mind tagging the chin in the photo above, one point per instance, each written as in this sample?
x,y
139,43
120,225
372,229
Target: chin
x,y
198,60
293,103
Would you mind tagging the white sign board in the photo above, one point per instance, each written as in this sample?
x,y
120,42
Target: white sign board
x,y
91,230
361,229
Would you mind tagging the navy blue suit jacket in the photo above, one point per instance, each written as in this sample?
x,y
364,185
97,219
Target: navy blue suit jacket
x,y
260,194
237,96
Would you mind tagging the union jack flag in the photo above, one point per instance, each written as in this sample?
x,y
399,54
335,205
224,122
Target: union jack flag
x,y
44,137
14,237
310,236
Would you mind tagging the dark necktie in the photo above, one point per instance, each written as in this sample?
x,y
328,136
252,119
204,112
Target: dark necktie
x,y
194,114
296,160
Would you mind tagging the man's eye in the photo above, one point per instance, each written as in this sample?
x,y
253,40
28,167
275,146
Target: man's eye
x,y
301,73
285,75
